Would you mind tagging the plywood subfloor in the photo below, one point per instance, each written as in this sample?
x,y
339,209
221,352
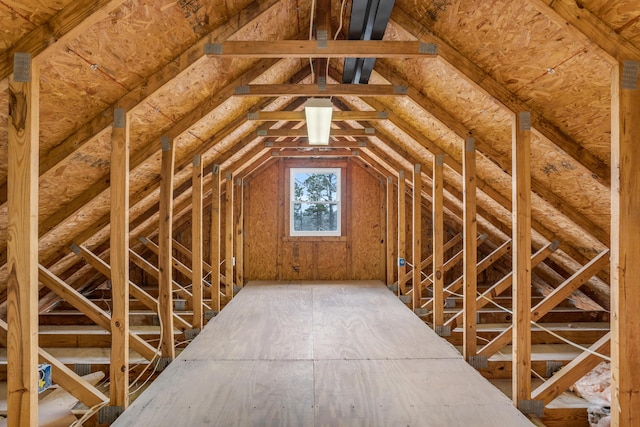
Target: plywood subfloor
x,y
320,354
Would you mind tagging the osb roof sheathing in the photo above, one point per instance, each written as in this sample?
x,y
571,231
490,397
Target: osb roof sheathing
x,y
535,57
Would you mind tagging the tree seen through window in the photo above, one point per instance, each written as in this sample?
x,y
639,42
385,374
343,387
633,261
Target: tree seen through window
x,y
315,202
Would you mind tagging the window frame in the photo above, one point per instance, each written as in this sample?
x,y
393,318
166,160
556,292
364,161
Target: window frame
x,y
338,202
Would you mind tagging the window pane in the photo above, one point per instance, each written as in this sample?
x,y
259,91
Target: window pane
x,y
315,187
315,217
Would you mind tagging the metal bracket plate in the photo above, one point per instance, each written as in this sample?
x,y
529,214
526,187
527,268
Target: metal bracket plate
x,y
428,48
162,363
82,368
443,331
525,120
22,67
400,90
190,334
479,362
421,311
630,71
242,90
119,118
108,414
210,314
552,367
406,299
213,49
179,304
532,407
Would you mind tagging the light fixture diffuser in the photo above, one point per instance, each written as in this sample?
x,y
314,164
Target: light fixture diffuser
x,y
318,112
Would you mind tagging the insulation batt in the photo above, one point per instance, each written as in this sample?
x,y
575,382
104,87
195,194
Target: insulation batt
x,y
595,388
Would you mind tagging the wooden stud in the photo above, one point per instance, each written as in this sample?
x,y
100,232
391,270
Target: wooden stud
x,y
165,237
22,242
238,199
282,225
196,242
470,248
311,49
228,234
437,213
215,238
402,233
521,213
390,229
119,257
625,251
416,256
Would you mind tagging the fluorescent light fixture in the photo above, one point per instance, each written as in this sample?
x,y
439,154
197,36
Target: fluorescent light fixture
x,y
318,112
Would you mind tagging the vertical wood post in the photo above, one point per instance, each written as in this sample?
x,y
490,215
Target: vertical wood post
x,y
228,233
521,288
215,238
437,206
196,242
416,256
165,265
469,247
22,242
239,232
625,251
119,258
402,234
390,228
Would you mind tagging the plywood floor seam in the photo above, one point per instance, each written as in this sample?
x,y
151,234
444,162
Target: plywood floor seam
x,y
320,354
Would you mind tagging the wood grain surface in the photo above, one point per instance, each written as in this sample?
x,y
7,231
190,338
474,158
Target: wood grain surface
x,y
319,354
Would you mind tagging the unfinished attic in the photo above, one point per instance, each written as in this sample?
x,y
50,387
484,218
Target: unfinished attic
x,y
320,213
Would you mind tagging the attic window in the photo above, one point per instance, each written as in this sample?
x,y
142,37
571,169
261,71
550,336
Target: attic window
x,y
315,202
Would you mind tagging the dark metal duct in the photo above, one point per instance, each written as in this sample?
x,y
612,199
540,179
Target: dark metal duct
x,y
369,19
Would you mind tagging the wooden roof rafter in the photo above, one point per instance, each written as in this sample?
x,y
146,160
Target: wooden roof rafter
x,y
615,46
73,19
194,54
476,75
485,149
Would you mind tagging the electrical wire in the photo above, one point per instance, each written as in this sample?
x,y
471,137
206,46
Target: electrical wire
x,y
567,341
89,414
335,37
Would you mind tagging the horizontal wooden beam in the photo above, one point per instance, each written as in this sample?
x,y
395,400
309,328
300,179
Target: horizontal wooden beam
x,y
314,152
317,90
322,49
299,144
303,132
276,116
